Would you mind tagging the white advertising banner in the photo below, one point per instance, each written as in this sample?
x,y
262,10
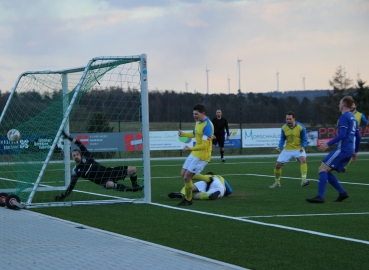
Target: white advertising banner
x,y
263,137
169,140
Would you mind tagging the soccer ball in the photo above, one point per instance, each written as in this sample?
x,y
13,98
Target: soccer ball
x,y
13,135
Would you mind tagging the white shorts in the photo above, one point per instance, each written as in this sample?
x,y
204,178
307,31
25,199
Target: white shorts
x,y
194,165
286,155
216,185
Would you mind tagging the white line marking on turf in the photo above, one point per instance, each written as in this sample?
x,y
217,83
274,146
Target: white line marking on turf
x,y
267,224
308,215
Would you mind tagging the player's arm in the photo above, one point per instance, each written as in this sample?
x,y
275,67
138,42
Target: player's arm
x,y
226,127
205,140
80,145
303,139
71,186
364,120
282,140
186,134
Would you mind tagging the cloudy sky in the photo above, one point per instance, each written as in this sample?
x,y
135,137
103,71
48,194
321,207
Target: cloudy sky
x,y
183,38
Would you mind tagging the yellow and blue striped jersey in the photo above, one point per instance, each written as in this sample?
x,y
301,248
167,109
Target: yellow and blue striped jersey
x,y
221,179
294,137
203,134
360,118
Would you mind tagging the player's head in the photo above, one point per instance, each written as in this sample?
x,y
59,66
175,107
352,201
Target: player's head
x,y
219,114
77,155
199,112
290,119
346,104
353,107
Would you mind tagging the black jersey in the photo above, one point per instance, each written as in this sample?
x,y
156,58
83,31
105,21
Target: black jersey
x,y
219,126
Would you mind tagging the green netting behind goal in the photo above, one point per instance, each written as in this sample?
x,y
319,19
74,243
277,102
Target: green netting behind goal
x,y
102,105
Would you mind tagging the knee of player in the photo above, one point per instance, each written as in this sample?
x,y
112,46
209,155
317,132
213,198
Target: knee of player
x,y
278,165
109,184
131,170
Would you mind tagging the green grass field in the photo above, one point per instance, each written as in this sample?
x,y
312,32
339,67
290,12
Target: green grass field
x,y
255,227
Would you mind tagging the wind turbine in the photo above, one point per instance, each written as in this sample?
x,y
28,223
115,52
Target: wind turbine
x,y
277,75
344,78
303,82
186,86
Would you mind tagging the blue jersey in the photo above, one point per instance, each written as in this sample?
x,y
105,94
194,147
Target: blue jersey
x,y
348,129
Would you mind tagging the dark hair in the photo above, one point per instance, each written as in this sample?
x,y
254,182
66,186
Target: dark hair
x,y
291,113
211,173
77,150
200,108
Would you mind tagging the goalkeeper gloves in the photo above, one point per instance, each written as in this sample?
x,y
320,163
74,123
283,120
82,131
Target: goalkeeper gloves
x,y
66,136
302,149
278,150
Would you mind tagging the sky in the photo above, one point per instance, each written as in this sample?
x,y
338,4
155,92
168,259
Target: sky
x,y
301,40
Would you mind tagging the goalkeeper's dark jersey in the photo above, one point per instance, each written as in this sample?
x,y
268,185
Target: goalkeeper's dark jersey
x,y
219,126
93,171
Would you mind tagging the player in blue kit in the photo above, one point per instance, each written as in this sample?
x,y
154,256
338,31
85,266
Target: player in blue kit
x,y
348,136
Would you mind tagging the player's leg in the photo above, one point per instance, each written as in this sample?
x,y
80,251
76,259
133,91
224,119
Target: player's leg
x,y
221,148
202,177
110,184
303,168
348,164
132,172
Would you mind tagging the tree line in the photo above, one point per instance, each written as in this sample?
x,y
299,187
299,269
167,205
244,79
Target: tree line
x,y
241,108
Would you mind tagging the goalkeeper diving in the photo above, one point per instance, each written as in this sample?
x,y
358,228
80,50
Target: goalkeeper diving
x,y
106,177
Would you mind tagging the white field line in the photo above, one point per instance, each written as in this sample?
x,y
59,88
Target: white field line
x,y
308,215
267,224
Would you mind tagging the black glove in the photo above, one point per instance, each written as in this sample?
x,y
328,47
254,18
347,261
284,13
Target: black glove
x,y
66,136
60,198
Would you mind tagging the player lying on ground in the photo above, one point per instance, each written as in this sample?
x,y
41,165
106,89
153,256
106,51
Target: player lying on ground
x,y
107,177
216,188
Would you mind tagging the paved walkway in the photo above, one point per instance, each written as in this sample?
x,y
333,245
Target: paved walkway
x,y
31,240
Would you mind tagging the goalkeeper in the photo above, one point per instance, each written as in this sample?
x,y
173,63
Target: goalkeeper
x,y
293,133
107,177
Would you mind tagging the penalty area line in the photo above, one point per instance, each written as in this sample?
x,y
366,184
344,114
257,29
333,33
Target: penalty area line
x,y
266,224
307,215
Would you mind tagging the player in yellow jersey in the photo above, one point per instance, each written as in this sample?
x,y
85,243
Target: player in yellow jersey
x,y
361,120
293,133
217,188
200,153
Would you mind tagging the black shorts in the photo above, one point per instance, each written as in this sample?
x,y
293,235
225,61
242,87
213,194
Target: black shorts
x,y
219,140
108,174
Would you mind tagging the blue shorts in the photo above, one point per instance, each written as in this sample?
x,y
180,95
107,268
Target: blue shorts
x,y
337,159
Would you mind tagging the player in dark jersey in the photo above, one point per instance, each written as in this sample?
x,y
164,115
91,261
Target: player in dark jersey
x,y
348,137
107,177
220,124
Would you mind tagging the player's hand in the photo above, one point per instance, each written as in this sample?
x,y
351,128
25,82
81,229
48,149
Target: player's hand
x,y
323,147
302,149
214,137
179,133
60,198
278,150
186,148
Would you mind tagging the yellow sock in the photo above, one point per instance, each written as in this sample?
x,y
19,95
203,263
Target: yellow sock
x,y
203,177
204,196
183,191
188,189
347,164
277,175
304,170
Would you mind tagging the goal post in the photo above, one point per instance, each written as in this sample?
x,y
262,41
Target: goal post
x,y
104,105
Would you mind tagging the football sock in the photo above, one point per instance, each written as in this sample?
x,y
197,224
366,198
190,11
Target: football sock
x,y
221,154
204,196
304,169
133,178
277,174
203,177
322,185
188,189
332,179
183,191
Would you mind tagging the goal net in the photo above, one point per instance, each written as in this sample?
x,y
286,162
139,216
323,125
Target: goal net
x,y
103,105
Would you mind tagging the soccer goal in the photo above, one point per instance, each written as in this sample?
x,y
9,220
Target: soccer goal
x,y
104,105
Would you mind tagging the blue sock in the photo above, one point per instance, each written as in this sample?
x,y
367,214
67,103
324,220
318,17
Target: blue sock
x,y
332,179
323,180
